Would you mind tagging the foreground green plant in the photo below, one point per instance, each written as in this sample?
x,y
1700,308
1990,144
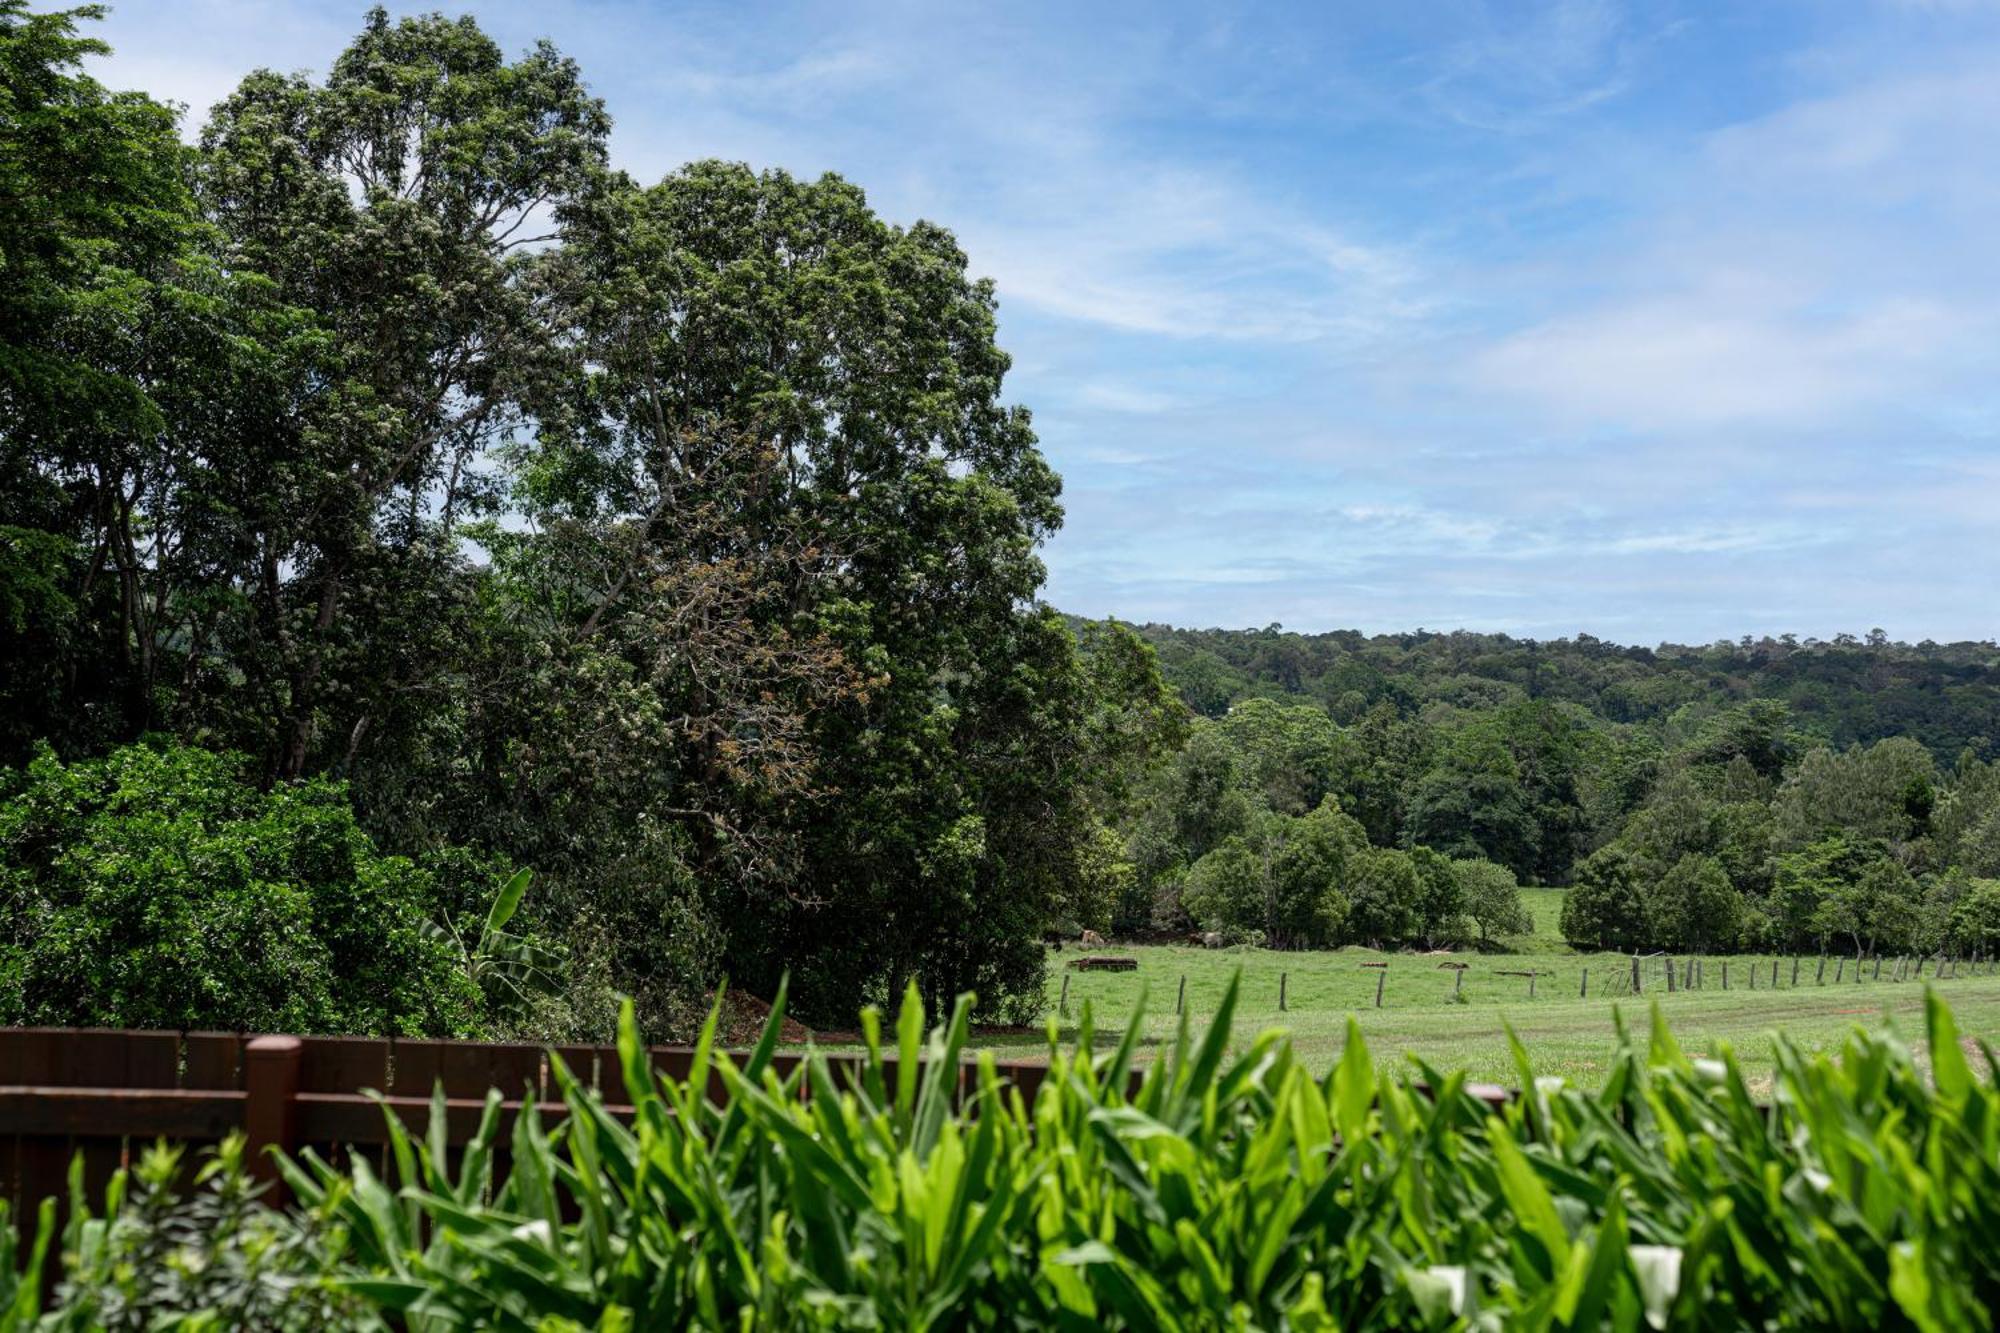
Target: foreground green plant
x,y
1212,1189
158,1259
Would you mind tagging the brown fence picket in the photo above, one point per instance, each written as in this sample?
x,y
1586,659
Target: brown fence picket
x,y
212,1060
582,1064
344,1064
466,1068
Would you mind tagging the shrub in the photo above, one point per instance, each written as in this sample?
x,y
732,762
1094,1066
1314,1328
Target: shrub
x,y
1205,1192
1225,890
212,1259
1384,897
1974,922
1441,906
156,888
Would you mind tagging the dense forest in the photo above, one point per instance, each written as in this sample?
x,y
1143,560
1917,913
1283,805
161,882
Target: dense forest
x,y
1773,793
448,584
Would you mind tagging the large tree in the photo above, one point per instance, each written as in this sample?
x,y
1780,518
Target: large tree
x,y
95,219
399,203
832,380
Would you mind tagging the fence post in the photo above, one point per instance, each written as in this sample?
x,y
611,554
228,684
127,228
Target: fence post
x,y
1531,984
1180,1000
1062,1005
1636,988
1878,968
1689,974
1752,969
1839,969
1819,977
1795,971
1381,976
1670,976
1281,992
1458,983
270,1113
1583,991
1725,974
1774,974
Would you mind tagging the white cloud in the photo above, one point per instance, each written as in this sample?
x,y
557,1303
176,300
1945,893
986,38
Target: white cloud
x,y
1453,314
1127,398
1720,358
1706,541
1185,253
1831,258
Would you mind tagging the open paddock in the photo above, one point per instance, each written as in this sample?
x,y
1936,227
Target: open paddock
x,y
1565,1030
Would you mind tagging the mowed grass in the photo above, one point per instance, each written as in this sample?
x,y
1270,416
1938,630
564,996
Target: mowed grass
x,y
1565,1032
1545,909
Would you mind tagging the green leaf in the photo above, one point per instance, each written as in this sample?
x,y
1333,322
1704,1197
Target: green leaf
x,y
1948,1063
1353,1085
1534,1211
507,901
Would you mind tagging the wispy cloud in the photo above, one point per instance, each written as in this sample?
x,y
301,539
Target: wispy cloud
x,y
1639,316
1732,353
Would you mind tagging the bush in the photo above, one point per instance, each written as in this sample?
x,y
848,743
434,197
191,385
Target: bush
x,y
1205,1192
213,1259
1384,897
1225,890
155,888
1974,923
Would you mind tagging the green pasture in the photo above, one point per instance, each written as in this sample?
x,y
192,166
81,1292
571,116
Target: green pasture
x,y
1545,909
1565,1031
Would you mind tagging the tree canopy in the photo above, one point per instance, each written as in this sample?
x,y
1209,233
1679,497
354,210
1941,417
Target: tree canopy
x,y
673,538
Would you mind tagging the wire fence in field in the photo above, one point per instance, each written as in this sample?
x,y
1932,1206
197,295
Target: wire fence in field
x,y
1403,980
1666,974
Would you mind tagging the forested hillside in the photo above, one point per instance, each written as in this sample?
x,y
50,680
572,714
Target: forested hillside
x,y
1843,690
395,497
1778,793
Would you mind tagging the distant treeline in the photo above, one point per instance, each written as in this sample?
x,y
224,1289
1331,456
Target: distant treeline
x,y
1841,690
1776,792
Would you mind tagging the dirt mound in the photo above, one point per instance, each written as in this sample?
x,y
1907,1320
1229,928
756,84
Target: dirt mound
x,y
744,1017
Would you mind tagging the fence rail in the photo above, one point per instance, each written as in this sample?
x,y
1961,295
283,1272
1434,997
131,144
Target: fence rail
x,y
104,1094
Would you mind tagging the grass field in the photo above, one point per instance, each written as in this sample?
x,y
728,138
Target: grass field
x,y
1545,909
1565,1033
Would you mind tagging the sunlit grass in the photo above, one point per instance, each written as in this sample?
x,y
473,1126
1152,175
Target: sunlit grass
x,y
1566,1032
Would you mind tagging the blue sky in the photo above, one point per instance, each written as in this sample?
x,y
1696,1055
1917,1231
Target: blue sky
x,y
1651,320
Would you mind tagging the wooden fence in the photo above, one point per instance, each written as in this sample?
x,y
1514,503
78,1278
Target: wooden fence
x,y
107,1094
